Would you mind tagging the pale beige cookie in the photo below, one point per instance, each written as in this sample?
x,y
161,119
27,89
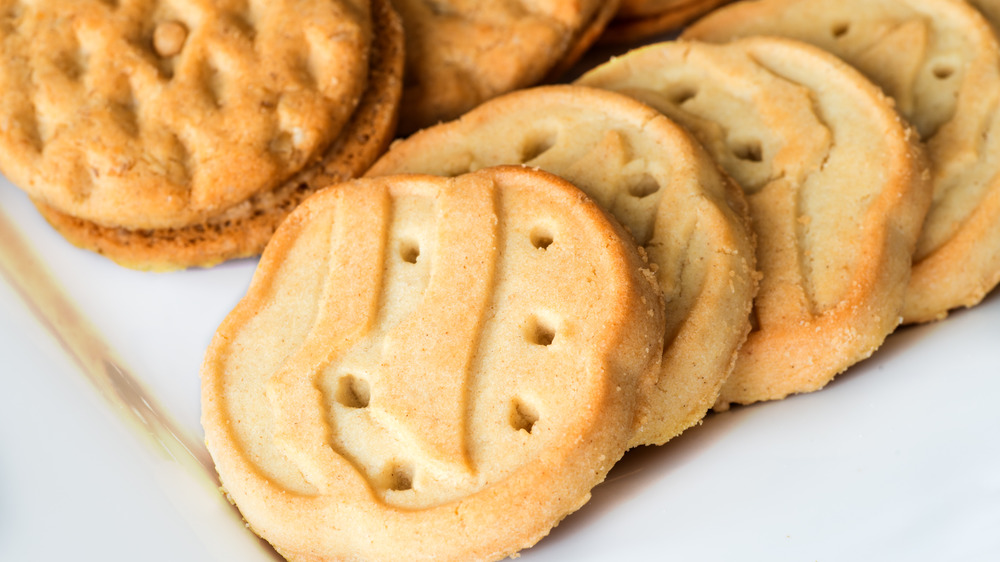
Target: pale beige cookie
x,y
940,61
640,19
430,368
837,186
661,185
146,114
244,229
462,52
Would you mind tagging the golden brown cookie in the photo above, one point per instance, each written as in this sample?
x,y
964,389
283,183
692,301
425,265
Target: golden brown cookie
x,y
460,53
148,114
657,182
641,19
837,186
244,229
940,61
430,368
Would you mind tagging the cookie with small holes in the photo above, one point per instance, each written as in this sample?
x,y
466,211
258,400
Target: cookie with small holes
x,y
243,229
837,185
656,180
142,114
430,368
940,61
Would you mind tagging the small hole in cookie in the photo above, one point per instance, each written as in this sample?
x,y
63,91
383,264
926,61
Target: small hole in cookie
x,y
538,144
943,71
749,150
541,238
353,392
840,29
646,186
522,416
683,94
409,251
540,332
400,477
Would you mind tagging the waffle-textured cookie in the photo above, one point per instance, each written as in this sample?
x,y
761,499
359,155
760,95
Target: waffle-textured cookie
x,y
148,114
430,368
837,186
460,53
244,229
940,61
640,19
660,184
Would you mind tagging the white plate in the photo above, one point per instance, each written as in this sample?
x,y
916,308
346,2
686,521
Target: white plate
x,y
898,459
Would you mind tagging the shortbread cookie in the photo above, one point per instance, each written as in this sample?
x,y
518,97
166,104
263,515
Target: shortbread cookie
x,y
148,114
940,61
661,185
837,186
461,52
430,368
244,229
640,19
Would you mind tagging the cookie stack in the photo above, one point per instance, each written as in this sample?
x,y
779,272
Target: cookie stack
x,y
167,137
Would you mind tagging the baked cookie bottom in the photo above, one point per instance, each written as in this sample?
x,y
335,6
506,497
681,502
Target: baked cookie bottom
x,y
243,230
630,30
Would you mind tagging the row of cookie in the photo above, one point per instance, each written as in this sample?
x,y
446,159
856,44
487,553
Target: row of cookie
x,y
836,189
170,136
939,61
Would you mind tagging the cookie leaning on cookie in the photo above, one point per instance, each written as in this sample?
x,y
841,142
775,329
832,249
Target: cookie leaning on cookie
x,y
837,185
244,229
940,61
660,184
430,368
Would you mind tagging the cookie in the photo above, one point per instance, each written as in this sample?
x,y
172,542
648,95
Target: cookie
x,y
430,368
151,114
244,229
641,19
461,53
657,182
837,186
940,62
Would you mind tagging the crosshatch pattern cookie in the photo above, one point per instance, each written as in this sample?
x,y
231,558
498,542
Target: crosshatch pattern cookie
x,y
940,61
430,368
146,114
462,52
244,229
661,185
837,186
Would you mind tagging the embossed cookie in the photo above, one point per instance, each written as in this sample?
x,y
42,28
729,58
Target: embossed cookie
x,y
837,187
940,62
244,229
430,368
661,185
148,114
461,52
641,19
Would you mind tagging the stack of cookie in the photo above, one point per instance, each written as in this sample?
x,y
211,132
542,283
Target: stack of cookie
x,y
167,136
